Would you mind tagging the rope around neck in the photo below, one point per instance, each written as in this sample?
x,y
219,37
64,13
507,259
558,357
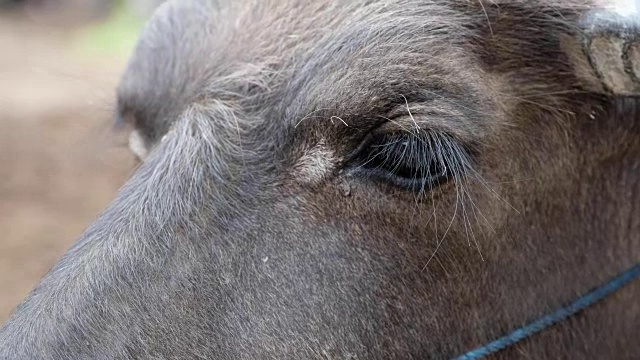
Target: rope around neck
x,y
557,316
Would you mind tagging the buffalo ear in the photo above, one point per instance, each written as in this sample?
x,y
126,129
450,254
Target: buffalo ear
x,y
606,56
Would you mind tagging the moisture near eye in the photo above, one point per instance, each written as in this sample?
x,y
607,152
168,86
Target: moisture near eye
x,y
416,161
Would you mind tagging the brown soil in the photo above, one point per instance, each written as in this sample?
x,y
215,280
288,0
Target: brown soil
x,y
60,161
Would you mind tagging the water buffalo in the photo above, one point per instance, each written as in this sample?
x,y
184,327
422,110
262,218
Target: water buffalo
x,y
375,179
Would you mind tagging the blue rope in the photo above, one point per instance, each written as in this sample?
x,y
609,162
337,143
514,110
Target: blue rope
x,y
559,315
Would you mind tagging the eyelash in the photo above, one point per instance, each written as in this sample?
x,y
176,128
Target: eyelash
x,y
415,161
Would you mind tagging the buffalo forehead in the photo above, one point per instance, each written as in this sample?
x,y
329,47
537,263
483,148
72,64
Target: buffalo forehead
x,y
334,54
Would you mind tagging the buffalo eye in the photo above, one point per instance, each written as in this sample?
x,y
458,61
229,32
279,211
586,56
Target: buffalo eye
x,y
416,160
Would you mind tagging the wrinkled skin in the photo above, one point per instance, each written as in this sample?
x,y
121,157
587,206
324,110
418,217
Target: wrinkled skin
x,y
261,225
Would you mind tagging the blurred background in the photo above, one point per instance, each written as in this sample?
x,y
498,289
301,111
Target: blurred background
x,y
61,159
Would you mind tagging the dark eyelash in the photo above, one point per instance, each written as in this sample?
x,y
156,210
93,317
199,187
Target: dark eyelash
x,y
416,161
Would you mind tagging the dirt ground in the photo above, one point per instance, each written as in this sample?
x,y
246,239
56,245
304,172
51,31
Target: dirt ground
x,y
60,160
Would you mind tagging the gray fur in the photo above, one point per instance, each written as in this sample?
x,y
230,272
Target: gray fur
x,y
217,248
